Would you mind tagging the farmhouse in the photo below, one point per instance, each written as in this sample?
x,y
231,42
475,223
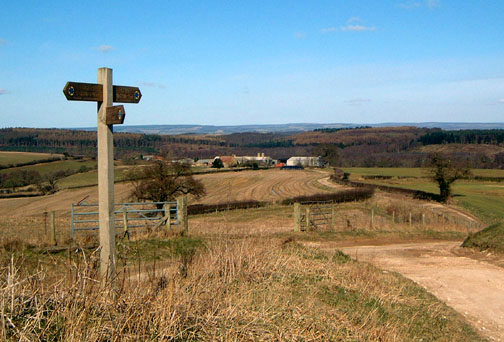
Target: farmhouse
x,y
228,161
260,159
305,161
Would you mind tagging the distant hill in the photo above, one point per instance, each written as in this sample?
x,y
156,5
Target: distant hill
x,y
405,146
291,128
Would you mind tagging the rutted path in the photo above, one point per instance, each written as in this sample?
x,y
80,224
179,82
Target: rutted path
x,y
474,288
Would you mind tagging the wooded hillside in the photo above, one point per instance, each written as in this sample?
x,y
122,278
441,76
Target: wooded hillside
x,y
364,146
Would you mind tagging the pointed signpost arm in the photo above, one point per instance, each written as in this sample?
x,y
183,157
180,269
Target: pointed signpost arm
x,y
77,91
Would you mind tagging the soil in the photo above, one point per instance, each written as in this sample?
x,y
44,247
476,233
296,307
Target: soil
x,y
261,185
472,286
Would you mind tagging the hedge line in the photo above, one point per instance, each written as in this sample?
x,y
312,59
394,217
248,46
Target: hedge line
x,y
415,193
337,197
32,162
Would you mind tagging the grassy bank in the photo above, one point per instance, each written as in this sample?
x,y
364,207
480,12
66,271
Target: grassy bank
x,y
245,289
489,239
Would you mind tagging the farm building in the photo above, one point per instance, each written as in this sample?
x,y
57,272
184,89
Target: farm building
x,y
260,159
305,161
228,161
204,162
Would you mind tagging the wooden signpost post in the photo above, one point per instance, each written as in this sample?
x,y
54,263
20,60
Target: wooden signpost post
x,y
105,94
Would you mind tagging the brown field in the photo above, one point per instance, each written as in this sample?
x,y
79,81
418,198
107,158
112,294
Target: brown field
x,y
261,185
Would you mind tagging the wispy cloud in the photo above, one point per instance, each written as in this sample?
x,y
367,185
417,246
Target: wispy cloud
x,y
354,20
2,42
300,35
3,91
357,101
412,4
353,24
105,48
433,3
329,29
357,28
240,77
152,85
501,101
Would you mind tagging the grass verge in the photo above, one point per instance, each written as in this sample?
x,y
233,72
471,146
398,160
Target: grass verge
x,y
488,239
245,289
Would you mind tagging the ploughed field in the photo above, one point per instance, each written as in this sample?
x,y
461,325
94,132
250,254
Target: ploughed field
x,y
260,185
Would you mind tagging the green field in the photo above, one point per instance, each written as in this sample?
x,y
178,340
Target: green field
x,y
411,172
56,166
7,158
87,179
484,199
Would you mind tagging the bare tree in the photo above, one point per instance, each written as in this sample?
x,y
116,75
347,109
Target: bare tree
x,y
164,181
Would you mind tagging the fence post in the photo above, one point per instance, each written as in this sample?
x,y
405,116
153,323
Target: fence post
x,y
52,229
333,216
182,213
297,217
393,217
372,218
308,223
410,218
423,219
167,214
125,222
73,224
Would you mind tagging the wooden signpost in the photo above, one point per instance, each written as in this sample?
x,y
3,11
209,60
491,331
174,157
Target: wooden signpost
x,y
105,94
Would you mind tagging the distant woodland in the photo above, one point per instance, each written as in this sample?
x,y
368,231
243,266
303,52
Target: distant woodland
x,y
364,146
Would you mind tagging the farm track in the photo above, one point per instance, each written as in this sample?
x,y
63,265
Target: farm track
x,y
473,288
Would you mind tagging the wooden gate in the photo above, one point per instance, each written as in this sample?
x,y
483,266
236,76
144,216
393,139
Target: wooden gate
x,y
313,215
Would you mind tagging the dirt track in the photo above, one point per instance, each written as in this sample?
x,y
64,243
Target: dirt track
x,y
474,288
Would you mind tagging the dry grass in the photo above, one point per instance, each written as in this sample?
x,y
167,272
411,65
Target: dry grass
x,y
248,289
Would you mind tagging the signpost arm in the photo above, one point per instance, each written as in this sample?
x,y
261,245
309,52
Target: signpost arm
x,y
106,178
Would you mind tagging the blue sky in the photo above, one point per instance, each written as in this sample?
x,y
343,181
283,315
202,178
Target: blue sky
x,y
256,62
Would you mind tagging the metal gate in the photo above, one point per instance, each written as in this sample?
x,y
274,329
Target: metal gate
x,y
126,215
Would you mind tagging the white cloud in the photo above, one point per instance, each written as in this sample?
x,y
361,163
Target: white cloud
x,y
358,28
105,48
433,3
153,85
300,35
358,101
2,42
354,20
329,29
410,4
3,91
501,101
